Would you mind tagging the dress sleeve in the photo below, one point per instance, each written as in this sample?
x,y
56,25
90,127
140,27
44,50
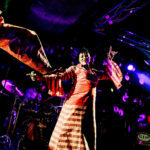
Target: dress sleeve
x,y
114,73
24,45
54,81
102,75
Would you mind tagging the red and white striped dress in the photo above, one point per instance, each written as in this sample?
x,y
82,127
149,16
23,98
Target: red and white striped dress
x,y
76,125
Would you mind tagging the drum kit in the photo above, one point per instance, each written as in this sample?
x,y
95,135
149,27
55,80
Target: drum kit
x,y
22,119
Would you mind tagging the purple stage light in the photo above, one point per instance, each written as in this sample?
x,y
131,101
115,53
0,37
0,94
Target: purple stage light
x,y
125,97
142,117
129,129
120,64
121,112
141,81
130,32
127,77
131,44
116,109
140,142
107,16
143,124
110,22
103,110
143,78
71,47
62,47
140,102
135,100
93,59
131,11
120,40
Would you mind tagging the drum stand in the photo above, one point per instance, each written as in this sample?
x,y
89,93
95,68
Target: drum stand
x,y
6,140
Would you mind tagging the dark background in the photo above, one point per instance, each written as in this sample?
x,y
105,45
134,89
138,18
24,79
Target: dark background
x,y
64,27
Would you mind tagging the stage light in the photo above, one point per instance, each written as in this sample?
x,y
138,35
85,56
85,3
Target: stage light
x,y
116,109
130,32
121,112
110,22
143,78
120,64
141,118
127,77
141,81
135,100
129,128
131,11
131,44
71,47
130,67
107,16
125,97
21,66
103,110
2,67
51,51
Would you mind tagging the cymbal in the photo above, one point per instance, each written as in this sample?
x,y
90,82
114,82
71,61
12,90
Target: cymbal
x,y
11,87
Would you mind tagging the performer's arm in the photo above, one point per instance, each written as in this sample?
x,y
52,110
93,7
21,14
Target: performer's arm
x,y
102,75
65,75
114,71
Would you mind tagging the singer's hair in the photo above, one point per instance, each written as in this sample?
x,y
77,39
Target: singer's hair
x,y
84,50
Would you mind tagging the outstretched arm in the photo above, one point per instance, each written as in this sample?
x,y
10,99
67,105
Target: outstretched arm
x,y
114,71
24,45
54,81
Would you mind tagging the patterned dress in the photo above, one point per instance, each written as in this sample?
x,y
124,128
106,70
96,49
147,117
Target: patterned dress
x,y
76,125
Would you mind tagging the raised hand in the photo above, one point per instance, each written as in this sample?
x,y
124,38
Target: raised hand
x,y
111,53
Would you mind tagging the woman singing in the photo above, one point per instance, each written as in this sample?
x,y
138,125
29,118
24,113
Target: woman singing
x,y
76,125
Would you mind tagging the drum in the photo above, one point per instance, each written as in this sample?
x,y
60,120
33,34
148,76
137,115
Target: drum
x,y
5,109
5,142
37,134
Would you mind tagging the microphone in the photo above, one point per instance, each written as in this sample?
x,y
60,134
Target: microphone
x,y
32,75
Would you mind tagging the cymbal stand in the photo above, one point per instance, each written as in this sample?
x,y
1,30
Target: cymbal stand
x,y
13,109
6,139
16,118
